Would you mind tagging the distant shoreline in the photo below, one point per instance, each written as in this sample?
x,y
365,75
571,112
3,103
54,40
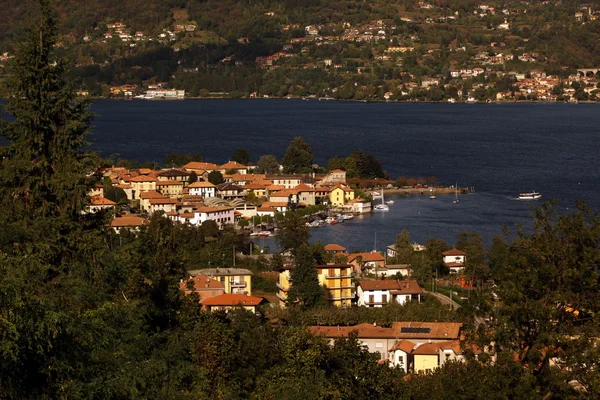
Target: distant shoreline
x,y
354,101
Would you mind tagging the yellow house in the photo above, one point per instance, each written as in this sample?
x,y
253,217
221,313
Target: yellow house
x,y
426,357
340,195
141,184
284,284
171,189
336,280
235,280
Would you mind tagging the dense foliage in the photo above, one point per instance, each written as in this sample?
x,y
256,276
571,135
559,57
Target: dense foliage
x,y
88,313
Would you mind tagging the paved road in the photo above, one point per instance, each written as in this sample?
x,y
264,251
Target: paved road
x,y
445,300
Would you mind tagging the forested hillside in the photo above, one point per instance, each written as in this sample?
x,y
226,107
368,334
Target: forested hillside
x,y
350,49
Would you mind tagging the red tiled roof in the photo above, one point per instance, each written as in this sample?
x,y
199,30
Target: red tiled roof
x,y
334,247
201,184
233,165
274,204
151,194
142,178
169,183
454,252
437,330
366,257
128,221
198,165
163,201
394,286
101,201
230,299
201,282
405,345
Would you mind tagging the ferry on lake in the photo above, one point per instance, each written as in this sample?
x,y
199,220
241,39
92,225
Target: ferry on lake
x,y
529,196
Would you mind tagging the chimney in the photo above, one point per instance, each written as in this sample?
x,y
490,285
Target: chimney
x,y
375,323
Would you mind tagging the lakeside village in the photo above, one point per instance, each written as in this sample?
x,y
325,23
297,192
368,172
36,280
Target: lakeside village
x,y
533,86
382,60
356,279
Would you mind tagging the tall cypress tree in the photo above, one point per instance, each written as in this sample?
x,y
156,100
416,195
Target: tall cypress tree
x,y
44,170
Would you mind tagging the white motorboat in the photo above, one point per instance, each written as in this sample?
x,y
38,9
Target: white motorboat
x,y
529,195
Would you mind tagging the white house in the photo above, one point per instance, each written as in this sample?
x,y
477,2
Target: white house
x,y
455,260
400,354
204,189
99,203
377,293
221,215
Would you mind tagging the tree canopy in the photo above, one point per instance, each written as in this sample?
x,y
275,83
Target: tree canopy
x,y
298,158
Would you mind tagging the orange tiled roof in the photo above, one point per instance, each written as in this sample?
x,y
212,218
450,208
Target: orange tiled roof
x,y
274,204
169,183
230,299
395,286
142,178
201,184
233,165
151,194
101,201
366,257
201,282
163,201
405,345
454,252
334,247
128,221
203,166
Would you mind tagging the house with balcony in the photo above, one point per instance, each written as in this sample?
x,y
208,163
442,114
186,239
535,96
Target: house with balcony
x,y
377,293
340,195
172,189
336,280
333,248
288,181
203,286
128,222
201,188
233,166
234,280
227,302
381,340
140,184
454,259
426,357
173,175
100,203
366,262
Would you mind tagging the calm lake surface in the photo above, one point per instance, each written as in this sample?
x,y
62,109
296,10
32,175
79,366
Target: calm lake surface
x,y
500,149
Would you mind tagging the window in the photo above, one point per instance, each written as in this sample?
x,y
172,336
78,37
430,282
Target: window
x,y
384,298
371,298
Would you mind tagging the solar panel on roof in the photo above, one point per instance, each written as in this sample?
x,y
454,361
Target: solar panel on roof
x,y
410,329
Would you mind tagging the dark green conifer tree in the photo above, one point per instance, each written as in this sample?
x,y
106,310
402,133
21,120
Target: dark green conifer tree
x,y
44,170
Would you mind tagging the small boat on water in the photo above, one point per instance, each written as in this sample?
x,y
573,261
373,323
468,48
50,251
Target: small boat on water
x,y
348,216
529,195
264,234
389,202
382,206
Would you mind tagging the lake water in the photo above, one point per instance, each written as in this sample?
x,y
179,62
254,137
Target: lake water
x,y
500,149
